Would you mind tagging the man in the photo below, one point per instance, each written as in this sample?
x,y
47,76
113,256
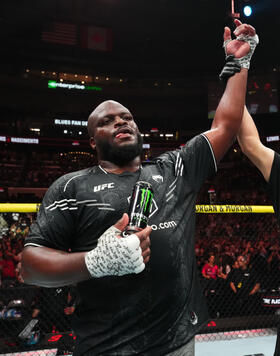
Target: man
x,y
268,162
244,283
132,302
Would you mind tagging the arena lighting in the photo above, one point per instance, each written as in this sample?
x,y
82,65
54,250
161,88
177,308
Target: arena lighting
x,y
52,84
247,10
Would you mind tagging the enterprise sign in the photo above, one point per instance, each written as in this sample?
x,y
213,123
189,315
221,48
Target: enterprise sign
x,y
52,84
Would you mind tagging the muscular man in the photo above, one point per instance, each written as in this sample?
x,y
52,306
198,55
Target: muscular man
x,y
130,302
268,162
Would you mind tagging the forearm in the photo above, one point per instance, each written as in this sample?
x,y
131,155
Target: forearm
x,y
230,109
232,286
251,145
52,268
255,289
248,136
228,117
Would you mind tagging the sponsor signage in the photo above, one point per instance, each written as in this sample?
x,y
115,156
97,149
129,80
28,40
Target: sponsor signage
x,y
52,84
271,301
70,122
25,140
272,138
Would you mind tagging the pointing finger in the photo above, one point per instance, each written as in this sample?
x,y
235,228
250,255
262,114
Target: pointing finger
x,y
237,22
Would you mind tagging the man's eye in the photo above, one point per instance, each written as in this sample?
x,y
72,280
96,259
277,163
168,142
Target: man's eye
x,y
128,118
104,122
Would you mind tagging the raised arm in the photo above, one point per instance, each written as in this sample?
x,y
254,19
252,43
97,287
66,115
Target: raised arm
x,y
251,145
229,113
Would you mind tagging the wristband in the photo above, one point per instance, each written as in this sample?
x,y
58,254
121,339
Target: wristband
x,y
231,67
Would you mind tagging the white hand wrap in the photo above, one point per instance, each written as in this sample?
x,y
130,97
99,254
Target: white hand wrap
x,y
115,256
244,62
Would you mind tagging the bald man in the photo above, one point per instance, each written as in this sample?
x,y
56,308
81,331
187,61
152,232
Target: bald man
x,y
139,294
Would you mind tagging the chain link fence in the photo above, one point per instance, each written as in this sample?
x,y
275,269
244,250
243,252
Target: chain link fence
x,y
238,260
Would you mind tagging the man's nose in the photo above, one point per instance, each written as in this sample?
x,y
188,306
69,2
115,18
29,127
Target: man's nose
x,y
119,121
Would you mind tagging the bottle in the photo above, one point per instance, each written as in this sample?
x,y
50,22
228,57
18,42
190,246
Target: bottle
x,y
139,207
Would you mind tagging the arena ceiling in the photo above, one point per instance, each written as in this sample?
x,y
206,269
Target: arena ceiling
x,y
149,38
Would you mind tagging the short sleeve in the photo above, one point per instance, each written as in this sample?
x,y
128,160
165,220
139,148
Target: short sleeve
x,y
55,222
231,276
274,185
199,160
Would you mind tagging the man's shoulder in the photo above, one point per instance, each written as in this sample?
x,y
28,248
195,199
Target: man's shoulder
x,y
65,180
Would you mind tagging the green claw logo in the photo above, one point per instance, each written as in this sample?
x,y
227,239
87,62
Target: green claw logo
x,y
146,198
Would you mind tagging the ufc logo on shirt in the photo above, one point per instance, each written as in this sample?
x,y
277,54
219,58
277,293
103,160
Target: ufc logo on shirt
x,y
97,188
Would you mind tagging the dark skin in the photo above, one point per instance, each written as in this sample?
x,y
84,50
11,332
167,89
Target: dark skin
x,y
112,122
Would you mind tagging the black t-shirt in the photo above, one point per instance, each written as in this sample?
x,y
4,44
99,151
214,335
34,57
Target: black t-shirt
x,y
244,281
162,308
274,185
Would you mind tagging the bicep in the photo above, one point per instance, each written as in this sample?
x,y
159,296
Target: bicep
x,y
221,138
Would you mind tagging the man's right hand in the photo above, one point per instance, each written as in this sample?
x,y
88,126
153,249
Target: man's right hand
x,y
143,236
118,256
242,48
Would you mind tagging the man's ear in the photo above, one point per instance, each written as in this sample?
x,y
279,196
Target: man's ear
x,y
92,143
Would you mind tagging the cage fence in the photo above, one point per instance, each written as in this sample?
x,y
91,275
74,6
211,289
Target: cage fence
x,y
238,261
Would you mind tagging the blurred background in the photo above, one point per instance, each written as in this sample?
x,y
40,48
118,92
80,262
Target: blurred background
x,y
159,58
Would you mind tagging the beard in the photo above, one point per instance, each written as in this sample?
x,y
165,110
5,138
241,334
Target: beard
x,y
120,155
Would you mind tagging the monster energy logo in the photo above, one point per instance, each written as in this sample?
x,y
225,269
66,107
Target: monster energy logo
x,y
146,198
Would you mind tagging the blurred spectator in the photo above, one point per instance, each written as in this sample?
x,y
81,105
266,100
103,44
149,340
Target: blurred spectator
x,y
210,274
244,283
9,262
274,267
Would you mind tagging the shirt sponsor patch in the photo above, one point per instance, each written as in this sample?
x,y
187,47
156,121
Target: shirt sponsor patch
x,y
158,178
100,187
